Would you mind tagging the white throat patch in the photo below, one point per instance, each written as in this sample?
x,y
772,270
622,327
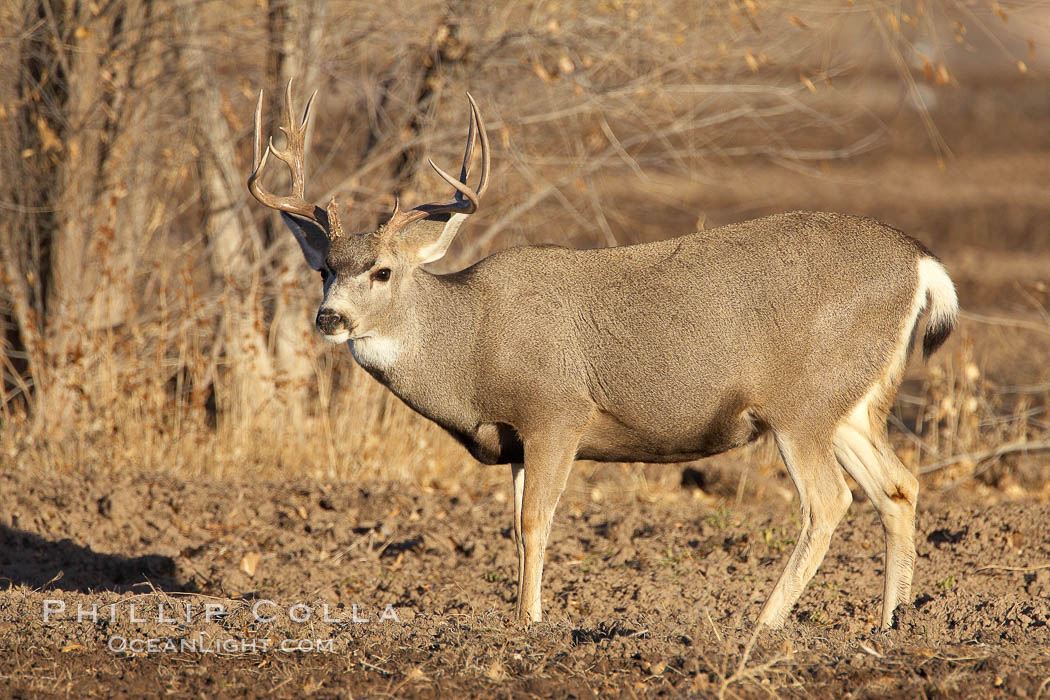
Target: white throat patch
x,y
375,351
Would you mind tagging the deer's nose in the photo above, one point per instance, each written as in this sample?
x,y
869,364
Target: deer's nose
x,y
330,322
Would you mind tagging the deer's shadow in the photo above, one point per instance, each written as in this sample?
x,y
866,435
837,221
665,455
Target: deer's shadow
x,y
28,559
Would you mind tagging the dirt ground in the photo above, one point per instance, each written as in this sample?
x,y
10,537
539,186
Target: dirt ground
x,y
650,598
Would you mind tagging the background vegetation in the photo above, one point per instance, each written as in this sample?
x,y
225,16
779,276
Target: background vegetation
x,y
153,315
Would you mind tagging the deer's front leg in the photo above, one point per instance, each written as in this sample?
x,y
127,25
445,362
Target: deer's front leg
x,y
548,461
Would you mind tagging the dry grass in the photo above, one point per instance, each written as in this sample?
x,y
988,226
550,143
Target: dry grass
x,y
153,317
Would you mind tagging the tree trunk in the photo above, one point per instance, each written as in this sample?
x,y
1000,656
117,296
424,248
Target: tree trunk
x,y
235,248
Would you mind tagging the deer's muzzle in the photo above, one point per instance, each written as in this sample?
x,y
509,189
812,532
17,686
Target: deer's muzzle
x,y
331,323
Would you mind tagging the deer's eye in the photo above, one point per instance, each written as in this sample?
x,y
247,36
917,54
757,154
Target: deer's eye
x,y
381,275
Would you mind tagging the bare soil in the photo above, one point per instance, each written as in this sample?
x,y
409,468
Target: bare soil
x,y
656,598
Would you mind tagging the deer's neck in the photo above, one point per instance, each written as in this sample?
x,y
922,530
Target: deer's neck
x,y
424,357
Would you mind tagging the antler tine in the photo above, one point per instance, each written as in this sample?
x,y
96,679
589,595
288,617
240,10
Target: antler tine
x,y
468,152
293,155
258,156
461,189
306,110
483,184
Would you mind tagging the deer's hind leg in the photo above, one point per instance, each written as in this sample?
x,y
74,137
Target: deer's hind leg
x,y
825,499
862,448
517,472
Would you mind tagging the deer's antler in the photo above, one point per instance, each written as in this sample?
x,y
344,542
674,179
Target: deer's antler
x,y
466,198
294,156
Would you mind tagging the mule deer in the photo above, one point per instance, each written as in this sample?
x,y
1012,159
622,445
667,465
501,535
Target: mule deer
x,y
799,324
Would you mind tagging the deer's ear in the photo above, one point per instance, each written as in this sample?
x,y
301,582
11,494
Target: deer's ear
x,y
312,239
429,239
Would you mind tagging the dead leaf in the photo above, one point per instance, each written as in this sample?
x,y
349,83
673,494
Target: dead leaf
x,y
542,73
249,562
72,647
495,672
752,62
943,77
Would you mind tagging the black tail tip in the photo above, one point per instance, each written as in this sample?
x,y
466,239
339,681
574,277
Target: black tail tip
x,y
936,333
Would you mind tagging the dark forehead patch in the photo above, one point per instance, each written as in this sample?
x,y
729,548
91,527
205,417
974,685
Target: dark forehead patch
x,y
354,254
